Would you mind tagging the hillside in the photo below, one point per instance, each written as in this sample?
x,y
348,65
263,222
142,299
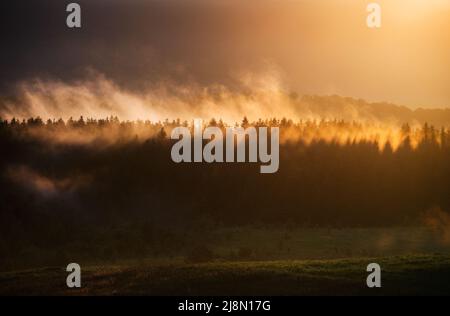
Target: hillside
x,y
349,109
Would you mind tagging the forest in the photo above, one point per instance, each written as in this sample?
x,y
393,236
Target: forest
x,y
109,188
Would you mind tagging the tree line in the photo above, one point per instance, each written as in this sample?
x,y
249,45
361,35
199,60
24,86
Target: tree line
x,y
129,192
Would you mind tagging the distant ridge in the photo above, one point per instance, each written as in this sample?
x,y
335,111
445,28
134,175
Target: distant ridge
x,y
349,109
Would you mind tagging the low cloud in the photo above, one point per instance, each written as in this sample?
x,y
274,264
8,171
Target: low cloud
x,y
439,222
260,95
42,185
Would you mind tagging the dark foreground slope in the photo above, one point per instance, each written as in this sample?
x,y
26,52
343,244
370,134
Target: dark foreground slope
x,y
410,275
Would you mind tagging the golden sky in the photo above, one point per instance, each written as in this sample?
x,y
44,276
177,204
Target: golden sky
x,y
325,47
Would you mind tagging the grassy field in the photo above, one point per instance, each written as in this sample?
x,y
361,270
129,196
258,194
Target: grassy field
x,y
254,261
259,243
401,275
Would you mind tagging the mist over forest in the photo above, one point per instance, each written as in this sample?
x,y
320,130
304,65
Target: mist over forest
x,y
224,147
258,96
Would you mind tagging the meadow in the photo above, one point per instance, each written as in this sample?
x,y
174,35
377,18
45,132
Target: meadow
x,y
261,261
401,275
